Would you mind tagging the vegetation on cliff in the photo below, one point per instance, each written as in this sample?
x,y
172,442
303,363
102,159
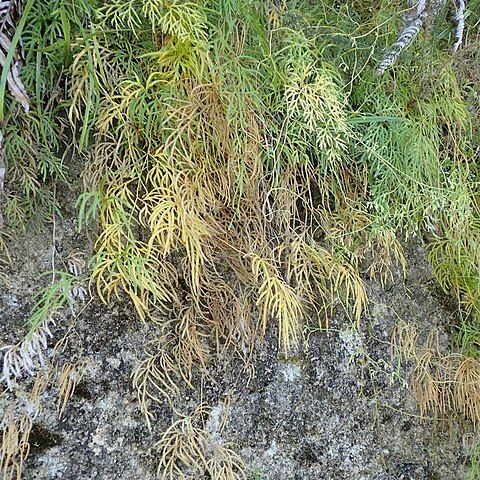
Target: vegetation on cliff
x,y
246,165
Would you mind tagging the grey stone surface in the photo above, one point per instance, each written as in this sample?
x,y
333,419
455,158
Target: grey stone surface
x,y
334,409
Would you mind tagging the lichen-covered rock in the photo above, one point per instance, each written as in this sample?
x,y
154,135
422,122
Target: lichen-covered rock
x,y
336,408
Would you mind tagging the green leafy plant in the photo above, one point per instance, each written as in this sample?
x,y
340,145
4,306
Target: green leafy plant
x,y
245,154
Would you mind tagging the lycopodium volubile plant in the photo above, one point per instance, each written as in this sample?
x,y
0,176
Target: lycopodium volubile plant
x,y
252,155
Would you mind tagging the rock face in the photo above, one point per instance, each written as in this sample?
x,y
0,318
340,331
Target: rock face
x,y
337,408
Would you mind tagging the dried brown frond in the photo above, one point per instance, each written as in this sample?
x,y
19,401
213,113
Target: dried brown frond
x,y
187,451
288,194
386,252
182,447
426,386
155,379
225,464
228,317
70,376
466,392
190,346
442,384
432,378
15,446
405,340
183,348
347,227
42,380
16,424
226,314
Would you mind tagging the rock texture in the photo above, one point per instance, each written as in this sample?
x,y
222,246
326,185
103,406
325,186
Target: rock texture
x,y
337,408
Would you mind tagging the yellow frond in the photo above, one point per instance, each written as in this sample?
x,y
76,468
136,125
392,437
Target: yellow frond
x,y
277,299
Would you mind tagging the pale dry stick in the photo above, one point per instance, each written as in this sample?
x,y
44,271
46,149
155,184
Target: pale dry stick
x,y
5,7
413,20
15,85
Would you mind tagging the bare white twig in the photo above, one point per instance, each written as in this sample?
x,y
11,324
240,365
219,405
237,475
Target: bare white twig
x,y
10,12
460,21
414,20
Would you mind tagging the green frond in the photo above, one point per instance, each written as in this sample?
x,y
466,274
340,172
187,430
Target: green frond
x,y
137,270
53,298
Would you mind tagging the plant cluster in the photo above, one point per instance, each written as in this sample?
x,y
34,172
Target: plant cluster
x,y
187,450
243,163
443,384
